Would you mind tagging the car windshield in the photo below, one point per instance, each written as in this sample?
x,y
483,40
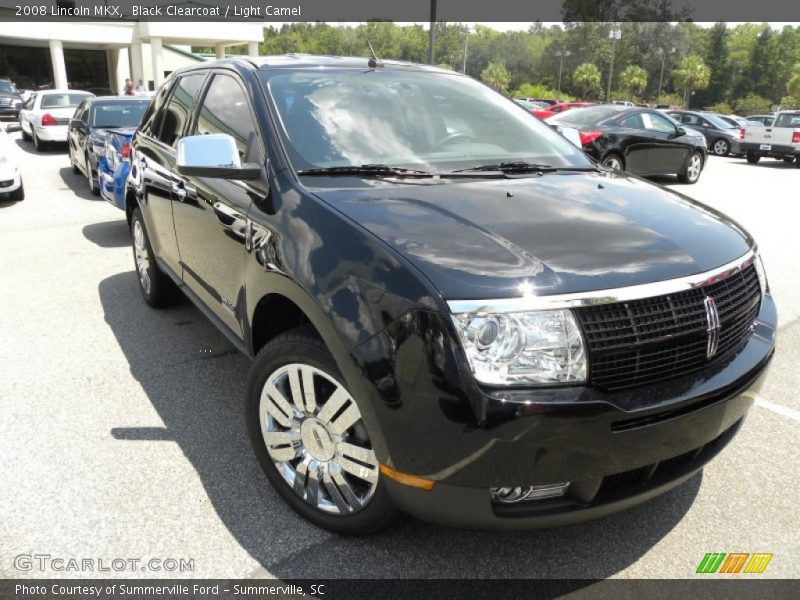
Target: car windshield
x,y
8,87
61,100
587,116
412,119
117,114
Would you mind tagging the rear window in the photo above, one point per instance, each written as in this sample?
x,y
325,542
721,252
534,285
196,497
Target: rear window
x,y
787,120
61,100
118,114
590,115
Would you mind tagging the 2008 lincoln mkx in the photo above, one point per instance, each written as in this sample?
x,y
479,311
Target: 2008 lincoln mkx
x,y
452,310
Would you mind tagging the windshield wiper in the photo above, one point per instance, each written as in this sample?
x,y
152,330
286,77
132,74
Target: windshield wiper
x,y
520,167
366,171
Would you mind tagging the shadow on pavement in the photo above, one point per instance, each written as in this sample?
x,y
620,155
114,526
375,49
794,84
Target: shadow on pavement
x,y
52,147
77,184
108,234
195,380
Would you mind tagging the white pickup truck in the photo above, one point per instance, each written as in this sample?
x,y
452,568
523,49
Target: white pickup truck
x,y
780,140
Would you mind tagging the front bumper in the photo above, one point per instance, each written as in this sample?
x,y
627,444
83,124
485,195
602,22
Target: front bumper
x,y
9,112
615,449
10,181
52,133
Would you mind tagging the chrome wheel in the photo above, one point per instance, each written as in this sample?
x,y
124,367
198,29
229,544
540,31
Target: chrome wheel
x,y
141,256
613,162
314,435
721,148
694,167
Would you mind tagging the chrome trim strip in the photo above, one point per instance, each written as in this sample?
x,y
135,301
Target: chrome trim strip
x,y
634,292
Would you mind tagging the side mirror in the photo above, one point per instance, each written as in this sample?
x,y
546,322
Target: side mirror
x,y
681,131
213,155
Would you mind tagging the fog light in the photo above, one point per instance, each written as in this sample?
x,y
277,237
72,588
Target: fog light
x,y
512,495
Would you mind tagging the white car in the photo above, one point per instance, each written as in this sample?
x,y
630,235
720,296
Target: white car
x,y
10,178
44,118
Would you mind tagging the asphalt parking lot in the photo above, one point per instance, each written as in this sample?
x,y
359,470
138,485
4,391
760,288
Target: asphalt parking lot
x,y
123,431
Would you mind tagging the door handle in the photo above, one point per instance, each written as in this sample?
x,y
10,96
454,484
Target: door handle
x,y
230,219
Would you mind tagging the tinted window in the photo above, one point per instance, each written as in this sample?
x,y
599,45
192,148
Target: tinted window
x,y
428,121
588,116
117,114
655,122
7,86
225,110
61,100
632,122
151,118
179,109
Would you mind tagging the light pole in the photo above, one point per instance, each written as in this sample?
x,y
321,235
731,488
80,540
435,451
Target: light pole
x,y
614,35
466,46
560,54
661,77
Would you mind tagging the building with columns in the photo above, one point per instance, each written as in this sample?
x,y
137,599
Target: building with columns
x,y
103,54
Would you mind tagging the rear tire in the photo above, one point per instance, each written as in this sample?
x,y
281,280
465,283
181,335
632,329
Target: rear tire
x,y
25,136
694,167
91,180
72,164
37,143
341,502
158,290
753,158
721,147
18,194
788,159
614,161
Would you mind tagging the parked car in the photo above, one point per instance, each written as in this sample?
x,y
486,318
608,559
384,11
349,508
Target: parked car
x,y
780,140
86,135
763,119
44,118
10,177
547,101
10,100
113,167
546,113
624,103
451,309
737,121
722,138
638,140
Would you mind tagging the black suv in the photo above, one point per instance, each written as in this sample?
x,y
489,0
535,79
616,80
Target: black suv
x,y
10,100
452,310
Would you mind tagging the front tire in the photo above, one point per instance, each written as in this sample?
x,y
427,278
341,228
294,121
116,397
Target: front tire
x,y
691,172
18,194
158,290
721,147
314,447
753,158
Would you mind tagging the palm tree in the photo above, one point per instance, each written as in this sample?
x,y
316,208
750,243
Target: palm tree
x,y
691,74
587,78
496,76
633,80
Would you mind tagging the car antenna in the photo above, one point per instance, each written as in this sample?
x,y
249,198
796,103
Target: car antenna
x,y
374,61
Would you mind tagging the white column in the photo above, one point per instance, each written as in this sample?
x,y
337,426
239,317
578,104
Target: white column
x,y
220,51
118,70
59,66
252,48
137,63
157,53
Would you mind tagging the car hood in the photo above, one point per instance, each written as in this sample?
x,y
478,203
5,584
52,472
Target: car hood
x,y
553,234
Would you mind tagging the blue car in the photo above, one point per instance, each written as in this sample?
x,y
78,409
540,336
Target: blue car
x,y
113,166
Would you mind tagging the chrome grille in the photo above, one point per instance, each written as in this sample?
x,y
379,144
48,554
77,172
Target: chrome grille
x,y
644,341
5,101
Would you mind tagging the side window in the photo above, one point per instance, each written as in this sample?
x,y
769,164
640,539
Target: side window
x,y
658,123
29,104
226,109
150,120
179,108
632,122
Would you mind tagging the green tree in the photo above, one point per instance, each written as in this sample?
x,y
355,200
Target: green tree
x,y
722,108
691,74
496,76
586,78
793,84
717,61
752,104
633,80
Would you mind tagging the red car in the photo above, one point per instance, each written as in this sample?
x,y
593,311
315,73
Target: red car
x,y
544,113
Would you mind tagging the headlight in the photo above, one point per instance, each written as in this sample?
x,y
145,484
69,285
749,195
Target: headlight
x,y
762,275
538,347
